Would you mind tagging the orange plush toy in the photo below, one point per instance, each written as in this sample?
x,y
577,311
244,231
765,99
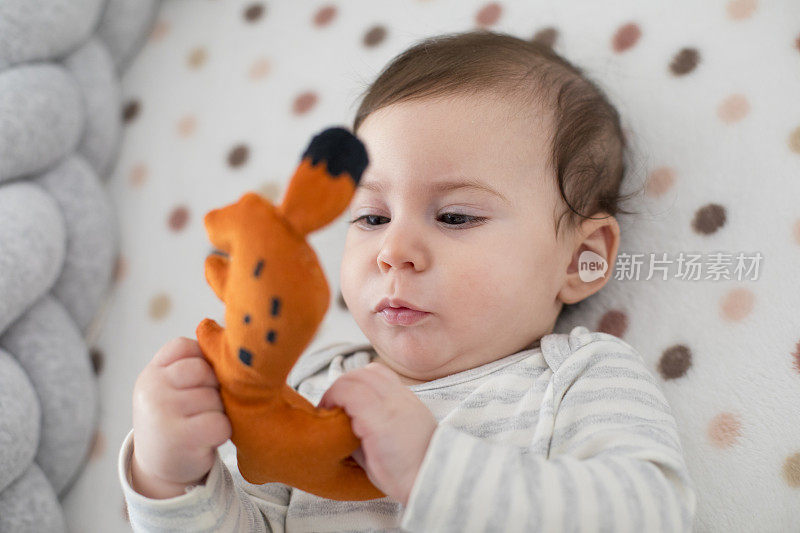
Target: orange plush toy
x,y
275,297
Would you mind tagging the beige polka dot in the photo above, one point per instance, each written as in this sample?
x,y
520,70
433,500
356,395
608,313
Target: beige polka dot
x,y
797,231
271,191
159,31
796,357
724,430
304,102
120,268
794,140
178,218
489,14
186,126
98,446
659,181
197,57
138,174
733,108
614,322
685,61
159,306
324,16
737,304
626,37
741,9
374,36
675,361
791,470
259,69
238,155
546,36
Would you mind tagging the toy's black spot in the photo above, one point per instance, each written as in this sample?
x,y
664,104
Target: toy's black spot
x,y
341,150
245,357
276,306
259,266
246,319
271,336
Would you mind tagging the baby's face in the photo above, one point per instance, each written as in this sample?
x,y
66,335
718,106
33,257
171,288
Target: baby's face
x,y
490,286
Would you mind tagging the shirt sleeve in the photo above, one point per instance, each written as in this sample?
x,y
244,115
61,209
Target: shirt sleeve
x,y
614,461
219,505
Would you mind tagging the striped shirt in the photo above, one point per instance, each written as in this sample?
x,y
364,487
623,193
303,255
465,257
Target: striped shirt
x,y
570,435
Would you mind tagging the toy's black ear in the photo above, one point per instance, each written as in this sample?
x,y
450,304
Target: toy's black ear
x,y
324,182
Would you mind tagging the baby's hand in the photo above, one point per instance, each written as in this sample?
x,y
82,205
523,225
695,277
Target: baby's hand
x,y
178,420
394,426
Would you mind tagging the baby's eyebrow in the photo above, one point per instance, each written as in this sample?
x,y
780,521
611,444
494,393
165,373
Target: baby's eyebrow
x,y
440,186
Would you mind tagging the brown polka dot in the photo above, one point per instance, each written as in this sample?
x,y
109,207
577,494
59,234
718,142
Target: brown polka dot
x,y
259,69
138,174
546,36
626,37
254,12
341,303
120,268
613,322
304,102
324,16
684,61
794,140
271,191
178,218
797,43
187,125
159,306
374,36
130,111
197,57
733,108
159,31
724,430
796,356
737,304
489,14
98,446
675,361
97,360
659,181
238,155
797,231
709,219
791,470
741,9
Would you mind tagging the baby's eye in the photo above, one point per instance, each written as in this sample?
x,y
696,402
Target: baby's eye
x,y
451,219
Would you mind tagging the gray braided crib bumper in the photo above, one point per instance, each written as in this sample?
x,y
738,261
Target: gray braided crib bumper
x,y
60,129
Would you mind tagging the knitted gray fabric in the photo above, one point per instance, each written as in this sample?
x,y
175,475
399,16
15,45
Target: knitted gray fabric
x,y
60,130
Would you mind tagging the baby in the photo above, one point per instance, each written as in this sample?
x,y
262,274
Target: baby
x,y
494,164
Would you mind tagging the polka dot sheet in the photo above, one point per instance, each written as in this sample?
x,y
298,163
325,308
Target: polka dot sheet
x,y
225,95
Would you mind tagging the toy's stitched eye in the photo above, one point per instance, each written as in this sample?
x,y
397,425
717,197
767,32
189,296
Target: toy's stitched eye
x,y
271,336
276,306
246,319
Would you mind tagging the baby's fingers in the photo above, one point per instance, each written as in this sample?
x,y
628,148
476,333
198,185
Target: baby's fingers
x,y
190,402
191,372
208,429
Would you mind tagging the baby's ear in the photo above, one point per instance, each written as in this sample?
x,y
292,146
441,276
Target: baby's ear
x,y
592,261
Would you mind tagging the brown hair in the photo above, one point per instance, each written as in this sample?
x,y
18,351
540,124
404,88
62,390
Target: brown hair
x,y
588,146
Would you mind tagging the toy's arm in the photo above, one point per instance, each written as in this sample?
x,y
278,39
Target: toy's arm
x,y
219,505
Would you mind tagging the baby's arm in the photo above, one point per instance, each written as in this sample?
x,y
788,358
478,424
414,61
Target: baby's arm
x,y
614,464
218,505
